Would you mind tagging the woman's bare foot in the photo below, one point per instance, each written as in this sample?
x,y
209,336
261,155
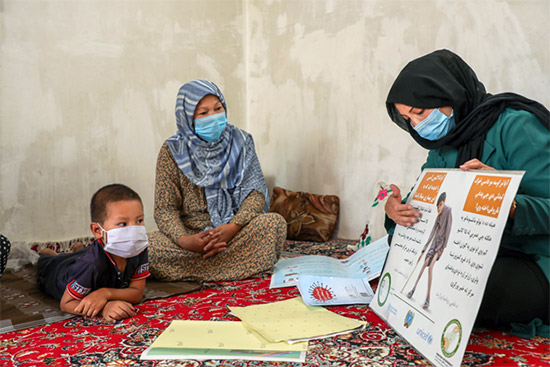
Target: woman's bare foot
x,y
48,251
77,246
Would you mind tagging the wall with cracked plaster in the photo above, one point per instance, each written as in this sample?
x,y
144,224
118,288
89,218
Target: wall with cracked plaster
x,y
319,73
87,91
87,97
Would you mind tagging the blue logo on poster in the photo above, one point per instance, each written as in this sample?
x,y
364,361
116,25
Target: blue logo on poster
x,y
409,319
424,335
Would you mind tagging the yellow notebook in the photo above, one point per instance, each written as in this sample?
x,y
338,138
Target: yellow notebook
x,y
217,335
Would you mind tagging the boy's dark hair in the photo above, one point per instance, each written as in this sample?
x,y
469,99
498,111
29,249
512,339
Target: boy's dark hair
x,y
109,194
442,197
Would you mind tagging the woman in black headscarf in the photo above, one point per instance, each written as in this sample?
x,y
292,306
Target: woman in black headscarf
x,y
438,99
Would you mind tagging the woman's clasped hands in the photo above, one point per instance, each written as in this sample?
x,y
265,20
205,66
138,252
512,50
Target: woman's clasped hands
x,y
211,241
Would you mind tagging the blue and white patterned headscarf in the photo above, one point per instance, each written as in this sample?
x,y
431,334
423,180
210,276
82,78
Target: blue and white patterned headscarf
x,y
227,168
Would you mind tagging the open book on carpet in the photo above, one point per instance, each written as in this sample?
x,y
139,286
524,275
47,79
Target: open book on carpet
x,y
365,263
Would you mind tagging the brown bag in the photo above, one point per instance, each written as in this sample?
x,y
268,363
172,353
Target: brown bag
x,y
309,217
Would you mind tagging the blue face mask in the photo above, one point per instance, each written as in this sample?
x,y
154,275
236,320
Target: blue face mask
x,y
210,128
435,126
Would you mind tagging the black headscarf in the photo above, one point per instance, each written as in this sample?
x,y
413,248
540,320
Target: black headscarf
x,y
442,78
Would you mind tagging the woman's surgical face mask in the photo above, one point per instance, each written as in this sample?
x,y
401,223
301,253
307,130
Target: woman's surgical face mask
x,y
126,241
431,124
210,128
209,118
436,125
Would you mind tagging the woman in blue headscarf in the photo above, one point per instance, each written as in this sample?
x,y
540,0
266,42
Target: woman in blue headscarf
x,y
211,197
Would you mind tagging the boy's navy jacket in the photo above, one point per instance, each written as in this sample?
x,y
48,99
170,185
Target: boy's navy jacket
x,y
86,271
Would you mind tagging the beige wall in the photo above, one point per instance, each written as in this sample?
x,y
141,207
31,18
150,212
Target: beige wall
x,y
320,70
87,91
87,96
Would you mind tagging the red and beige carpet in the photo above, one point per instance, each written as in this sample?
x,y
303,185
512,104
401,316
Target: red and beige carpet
x,y
82,341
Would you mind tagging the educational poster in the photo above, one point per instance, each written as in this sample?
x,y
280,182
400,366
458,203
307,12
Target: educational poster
x,y
433,282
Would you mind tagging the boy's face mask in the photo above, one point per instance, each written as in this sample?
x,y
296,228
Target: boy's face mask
x,y
126,241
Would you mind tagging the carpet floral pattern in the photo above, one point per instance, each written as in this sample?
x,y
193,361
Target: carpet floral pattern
x,y
83,341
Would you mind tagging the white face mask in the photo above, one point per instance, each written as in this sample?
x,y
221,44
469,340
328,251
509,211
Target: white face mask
x,y
125,242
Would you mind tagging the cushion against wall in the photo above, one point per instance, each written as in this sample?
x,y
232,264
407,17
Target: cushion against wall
x,y
309,217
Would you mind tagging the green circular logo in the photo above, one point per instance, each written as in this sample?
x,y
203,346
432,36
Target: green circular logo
x,y
451,337
384,289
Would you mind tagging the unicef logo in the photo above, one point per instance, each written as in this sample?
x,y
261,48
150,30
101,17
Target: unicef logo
x,y
427,337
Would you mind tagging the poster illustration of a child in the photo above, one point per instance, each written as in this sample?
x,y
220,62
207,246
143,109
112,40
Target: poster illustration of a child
x,y
438,239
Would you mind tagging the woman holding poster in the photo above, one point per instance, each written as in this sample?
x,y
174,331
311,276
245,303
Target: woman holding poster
x,y
438,99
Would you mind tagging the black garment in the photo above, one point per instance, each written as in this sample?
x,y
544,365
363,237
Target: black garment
x,y
5,247
516,292
87,270
442,78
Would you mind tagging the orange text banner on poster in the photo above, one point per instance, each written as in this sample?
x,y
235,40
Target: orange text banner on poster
x,y
486,195
429,187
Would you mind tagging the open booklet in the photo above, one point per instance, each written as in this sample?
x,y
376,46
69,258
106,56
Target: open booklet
x,y
365,263
433,282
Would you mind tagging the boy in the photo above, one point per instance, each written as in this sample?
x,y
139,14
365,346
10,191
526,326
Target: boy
x,y
109,276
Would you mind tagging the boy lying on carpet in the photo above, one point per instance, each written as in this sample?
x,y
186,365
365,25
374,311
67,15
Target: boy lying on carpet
x,y
107,277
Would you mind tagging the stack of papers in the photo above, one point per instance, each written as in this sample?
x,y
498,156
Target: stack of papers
x,y
219,340
279,331
276,331
293,321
